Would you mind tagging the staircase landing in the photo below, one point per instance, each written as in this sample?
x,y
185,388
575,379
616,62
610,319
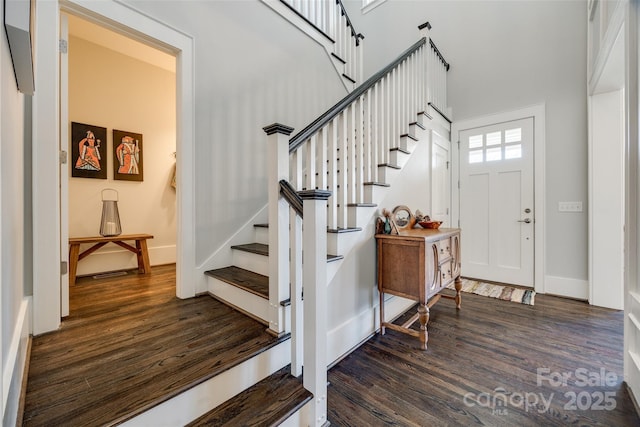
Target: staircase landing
x,y
130,344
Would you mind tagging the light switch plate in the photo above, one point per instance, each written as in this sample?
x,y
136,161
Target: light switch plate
x,y
570,206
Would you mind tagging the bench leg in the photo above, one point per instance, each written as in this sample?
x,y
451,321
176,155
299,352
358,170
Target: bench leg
x,y
74,252
144,266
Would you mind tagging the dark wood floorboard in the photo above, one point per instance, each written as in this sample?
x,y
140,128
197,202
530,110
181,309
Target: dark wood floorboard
x,y
490,348
129,344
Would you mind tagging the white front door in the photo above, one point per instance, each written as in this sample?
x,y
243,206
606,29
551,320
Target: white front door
x,y
440,179
496,202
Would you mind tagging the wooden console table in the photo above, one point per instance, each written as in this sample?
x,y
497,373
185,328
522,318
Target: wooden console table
x,y
141,250
417,264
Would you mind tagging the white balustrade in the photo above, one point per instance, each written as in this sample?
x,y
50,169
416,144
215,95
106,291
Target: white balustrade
x,y
331,18
345,153
331,161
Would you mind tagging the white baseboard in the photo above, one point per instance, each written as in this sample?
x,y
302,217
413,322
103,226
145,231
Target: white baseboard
x,y
566,287
13,368
193,403
117,258
346,337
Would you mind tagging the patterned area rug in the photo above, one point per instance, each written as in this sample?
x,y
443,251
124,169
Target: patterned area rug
x,y
506,293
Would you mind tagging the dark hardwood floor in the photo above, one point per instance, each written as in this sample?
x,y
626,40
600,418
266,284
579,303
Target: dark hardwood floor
x,y
129,344
482,368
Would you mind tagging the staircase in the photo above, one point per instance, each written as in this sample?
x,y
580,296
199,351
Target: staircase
x,y
331,177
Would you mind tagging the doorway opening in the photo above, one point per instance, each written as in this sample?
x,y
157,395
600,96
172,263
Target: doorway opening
x,y
48,254
122,93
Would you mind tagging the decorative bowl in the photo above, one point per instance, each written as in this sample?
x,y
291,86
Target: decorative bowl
x,y
430,224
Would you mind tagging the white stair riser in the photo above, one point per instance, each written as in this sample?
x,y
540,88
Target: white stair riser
x,y
423,119
373,193
387,175
359,216
298,418
261,235
406,143
398,158
341,243
198,400
414,129
245,301
250,261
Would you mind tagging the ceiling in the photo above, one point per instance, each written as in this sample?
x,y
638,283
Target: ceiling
x,y
93,33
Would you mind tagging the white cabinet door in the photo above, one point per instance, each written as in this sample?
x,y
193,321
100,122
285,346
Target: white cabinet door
x,y
440,180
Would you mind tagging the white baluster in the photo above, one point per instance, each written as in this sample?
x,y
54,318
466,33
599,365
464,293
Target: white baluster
x,y
332,178
310,182
376,132
341,200
367,158
321,156
351,158
297,325
359,150
332,14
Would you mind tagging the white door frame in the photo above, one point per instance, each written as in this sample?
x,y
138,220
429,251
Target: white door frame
x,y
538,113
46,131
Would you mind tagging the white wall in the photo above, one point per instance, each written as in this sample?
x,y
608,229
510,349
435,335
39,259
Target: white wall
x,y
606,175
252,69
115,91
504,56
12,231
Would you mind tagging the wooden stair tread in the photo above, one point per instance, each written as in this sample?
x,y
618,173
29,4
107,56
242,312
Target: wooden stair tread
x,y
343,230
262,249
402,150
255,248
267,403
389,165
255,283
329,230
377,184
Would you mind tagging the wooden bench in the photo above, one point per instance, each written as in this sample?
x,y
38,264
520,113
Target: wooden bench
x,y
141,250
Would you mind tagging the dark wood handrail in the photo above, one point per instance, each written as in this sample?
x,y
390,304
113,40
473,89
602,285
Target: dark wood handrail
x,y
291,196
349,24
432,105
321,121
434,47
320,30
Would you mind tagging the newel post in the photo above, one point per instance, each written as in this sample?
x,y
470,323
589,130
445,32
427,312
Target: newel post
x,y
314,278
278,169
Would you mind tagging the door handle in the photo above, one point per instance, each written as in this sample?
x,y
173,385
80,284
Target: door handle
x,y
526,220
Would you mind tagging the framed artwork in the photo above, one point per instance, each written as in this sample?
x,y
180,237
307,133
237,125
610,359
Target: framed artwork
x,y
88,151
127,155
